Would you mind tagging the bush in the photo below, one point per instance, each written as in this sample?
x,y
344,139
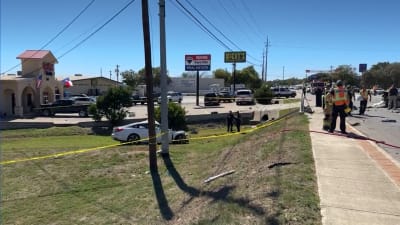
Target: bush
x,y
176,116
95,113
263,95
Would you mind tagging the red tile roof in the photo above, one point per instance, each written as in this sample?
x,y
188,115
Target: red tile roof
x,y
33,54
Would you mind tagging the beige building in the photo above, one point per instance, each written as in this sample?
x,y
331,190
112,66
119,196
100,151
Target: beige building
x,y
35,84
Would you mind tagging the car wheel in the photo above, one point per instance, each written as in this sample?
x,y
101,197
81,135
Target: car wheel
x,y
180,139
47,112
180,101
133,139
83,113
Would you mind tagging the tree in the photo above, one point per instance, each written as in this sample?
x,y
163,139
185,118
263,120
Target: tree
x,y
176,116
157,76
263,95
131,78
113,105
249,77
222,74
346,74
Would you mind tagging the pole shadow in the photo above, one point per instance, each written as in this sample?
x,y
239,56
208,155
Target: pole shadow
x,y
162,201
219,195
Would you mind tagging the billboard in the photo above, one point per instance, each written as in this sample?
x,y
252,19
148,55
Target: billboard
x,y
198,62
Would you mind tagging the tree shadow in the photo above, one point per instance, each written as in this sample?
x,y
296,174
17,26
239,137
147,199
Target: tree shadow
x,y
219,195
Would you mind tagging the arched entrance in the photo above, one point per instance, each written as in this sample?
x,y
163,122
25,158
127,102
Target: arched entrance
x,y
8,103
27,100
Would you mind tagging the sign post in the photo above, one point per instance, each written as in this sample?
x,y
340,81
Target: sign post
x,y
234,57
197,63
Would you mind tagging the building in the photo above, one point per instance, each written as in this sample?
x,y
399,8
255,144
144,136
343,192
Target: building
x,y
34,85
92,86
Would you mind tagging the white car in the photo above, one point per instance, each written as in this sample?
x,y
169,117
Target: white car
x,y
244,96
172,96
139,132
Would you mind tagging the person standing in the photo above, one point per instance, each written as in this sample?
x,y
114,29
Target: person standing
x,y
339,102
328,110
364,100
238,121
392,97
229,121
350,97
318,97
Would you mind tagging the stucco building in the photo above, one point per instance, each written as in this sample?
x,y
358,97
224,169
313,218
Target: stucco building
x,y
35,84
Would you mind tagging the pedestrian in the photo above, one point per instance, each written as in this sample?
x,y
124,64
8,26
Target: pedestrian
x,y
318,97
350,97
364,93
340,103
229,121
238,121
392,96
328,109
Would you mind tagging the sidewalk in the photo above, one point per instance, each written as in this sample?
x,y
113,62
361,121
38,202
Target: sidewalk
x,y
358,183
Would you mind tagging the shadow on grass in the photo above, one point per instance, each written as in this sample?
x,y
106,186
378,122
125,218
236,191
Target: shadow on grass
x,y
162,201
219,195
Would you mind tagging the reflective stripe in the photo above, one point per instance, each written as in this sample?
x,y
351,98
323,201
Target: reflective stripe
x,y
340,97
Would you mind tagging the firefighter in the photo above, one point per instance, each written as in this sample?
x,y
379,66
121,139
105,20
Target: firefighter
x,y
340,103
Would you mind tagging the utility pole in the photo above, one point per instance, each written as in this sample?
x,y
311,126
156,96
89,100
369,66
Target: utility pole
x,y
283,74
163,82
267,44
149,86
110,74
234,77
117,71
262,69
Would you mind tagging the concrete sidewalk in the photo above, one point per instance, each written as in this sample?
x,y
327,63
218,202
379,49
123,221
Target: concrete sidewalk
x,y
358,183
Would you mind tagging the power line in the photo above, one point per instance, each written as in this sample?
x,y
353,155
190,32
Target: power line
x,y
98,29
58,34
252,18
202,25
91,34
218,30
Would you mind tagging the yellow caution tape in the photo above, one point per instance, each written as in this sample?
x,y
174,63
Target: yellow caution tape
x,y
80,151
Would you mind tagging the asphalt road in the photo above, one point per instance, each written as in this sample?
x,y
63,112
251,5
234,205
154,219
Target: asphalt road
x,y
380,124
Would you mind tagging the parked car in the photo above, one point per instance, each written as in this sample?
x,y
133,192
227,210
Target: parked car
x,y
225,96
172,96
244,96
211,99
138,132
84,100
283,92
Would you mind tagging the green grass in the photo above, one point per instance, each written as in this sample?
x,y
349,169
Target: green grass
x,y
290,100
115,186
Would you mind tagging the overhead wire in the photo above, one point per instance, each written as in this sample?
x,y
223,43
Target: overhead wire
x,y
58,34
199,23
254,21
92,33
218,30
98,29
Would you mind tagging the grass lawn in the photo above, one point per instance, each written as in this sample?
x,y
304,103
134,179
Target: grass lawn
x,y
274,180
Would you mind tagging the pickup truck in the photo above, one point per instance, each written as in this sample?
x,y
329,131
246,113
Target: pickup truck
x,y
283,92
63,106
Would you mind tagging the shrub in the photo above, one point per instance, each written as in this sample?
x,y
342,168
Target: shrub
x,y
176,116
263,95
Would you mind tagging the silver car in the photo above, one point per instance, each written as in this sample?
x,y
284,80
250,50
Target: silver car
x,y
139,133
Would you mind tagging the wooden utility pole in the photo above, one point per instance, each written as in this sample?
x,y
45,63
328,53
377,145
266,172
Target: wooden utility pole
x,y
149,86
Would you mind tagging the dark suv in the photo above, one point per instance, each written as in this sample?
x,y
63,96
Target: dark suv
x,y
225,96
211,99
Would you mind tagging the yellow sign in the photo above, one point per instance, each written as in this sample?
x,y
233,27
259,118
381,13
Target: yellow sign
x,y
232,57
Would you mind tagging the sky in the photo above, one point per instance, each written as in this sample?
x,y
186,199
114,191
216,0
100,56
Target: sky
x,y
314,35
